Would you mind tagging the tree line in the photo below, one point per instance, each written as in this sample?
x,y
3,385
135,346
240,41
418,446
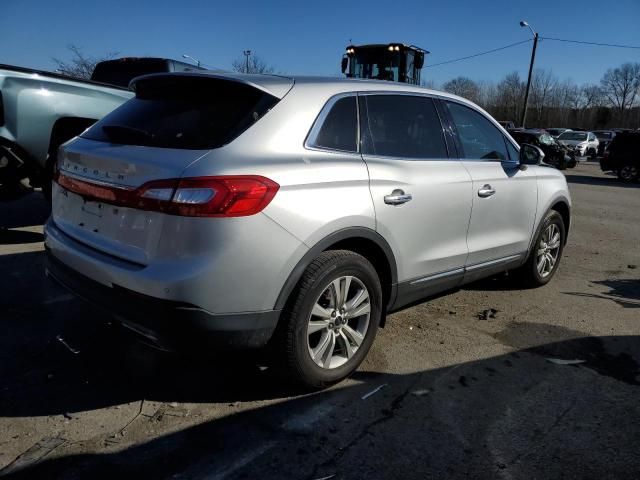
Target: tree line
x,y
614,102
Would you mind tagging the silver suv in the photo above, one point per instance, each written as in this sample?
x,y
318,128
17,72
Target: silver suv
x,y
245,211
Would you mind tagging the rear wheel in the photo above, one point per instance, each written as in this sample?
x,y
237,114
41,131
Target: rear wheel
x,y
629,173
544,258
331,319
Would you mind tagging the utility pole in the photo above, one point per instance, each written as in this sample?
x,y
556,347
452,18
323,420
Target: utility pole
x,y
247,53
533,58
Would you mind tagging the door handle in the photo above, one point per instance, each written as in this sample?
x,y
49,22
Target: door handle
x,y
486,191
397,197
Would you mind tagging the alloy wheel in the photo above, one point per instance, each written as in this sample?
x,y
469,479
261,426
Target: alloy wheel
x,y
629,172
548,250
338,322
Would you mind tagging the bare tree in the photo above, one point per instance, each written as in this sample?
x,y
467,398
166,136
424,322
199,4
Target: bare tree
x,y
510,95
621,86
542,86
254,64
80,65
463,87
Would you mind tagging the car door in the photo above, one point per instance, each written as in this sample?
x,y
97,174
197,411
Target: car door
x,y
422,198
504,195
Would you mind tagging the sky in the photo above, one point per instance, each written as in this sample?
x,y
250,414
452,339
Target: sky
x,y
309,38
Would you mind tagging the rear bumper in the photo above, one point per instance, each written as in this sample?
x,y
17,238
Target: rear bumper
x,y
167,324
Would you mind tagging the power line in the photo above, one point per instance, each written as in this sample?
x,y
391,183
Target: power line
x,y
591,43
479,54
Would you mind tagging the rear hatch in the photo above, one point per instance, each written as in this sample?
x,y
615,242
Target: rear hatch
x,y
174,120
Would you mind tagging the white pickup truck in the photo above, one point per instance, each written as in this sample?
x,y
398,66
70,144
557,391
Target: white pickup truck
x,y
40,110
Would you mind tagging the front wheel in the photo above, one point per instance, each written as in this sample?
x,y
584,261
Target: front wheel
x,y
544,258
331,319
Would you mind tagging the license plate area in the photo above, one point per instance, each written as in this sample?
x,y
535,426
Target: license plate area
x,y
93,208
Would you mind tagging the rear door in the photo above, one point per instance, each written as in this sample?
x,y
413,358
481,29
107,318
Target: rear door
x,y
504,196
422,198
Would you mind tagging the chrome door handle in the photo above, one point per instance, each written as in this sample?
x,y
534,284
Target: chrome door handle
x,y
486,191
397,197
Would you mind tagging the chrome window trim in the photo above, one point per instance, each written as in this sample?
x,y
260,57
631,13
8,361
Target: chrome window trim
x,y
448,158
312,136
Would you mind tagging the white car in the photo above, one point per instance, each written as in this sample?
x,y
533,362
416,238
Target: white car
x,y
584,144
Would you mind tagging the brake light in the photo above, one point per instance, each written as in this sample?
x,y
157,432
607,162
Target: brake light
x,y
221,196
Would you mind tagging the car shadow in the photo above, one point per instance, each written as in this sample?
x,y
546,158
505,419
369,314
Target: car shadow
x,y
517,411
612,181
625,292
31,209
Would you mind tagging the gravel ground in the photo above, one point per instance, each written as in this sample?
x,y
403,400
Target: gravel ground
x,y
461,397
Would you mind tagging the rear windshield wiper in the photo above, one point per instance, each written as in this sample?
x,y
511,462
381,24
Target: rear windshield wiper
x,y
123,133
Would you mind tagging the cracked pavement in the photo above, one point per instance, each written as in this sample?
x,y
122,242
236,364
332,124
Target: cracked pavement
x,y
462,397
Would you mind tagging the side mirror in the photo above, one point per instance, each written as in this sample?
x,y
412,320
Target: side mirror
x,y
345,64
530,154
418,61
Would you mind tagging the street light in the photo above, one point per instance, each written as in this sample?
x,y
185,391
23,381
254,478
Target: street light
x,y
533,57
190,57
247,53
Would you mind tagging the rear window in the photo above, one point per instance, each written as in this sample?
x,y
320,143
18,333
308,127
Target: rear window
x,y
194,113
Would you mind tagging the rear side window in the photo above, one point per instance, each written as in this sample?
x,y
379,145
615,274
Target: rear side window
x,y
402,126
480,139
194,113
338,130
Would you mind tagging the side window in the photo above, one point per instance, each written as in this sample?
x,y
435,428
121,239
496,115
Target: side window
x,y
402,126
479,137
339,129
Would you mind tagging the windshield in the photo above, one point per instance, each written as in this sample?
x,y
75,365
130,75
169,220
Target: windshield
x,y
547,139
375,63
603,135
573,136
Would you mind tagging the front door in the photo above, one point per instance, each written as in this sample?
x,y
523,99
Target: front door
x,y
504,196
422,198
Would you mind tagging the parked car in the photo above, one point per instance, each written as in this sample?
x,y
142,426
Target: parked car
x,y
556,132
252,210
555,153
507,125
39,111
604,138
583,144
622,156
121,71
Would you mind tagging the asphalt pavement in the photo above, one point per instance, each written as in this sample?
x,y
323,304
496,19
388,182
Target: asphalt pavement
x,y
547,386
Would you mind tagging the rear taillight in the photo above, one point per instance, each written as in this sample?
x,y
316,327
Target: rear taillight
x,y
223,196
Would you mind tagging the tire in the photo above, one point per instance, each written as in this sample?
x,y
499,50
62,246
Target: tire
x,y
628,173
316,291
530,274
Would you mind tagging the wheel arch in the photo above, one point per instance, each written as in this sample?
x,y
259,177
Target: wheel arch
x,y
64,129
360,240
560,205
